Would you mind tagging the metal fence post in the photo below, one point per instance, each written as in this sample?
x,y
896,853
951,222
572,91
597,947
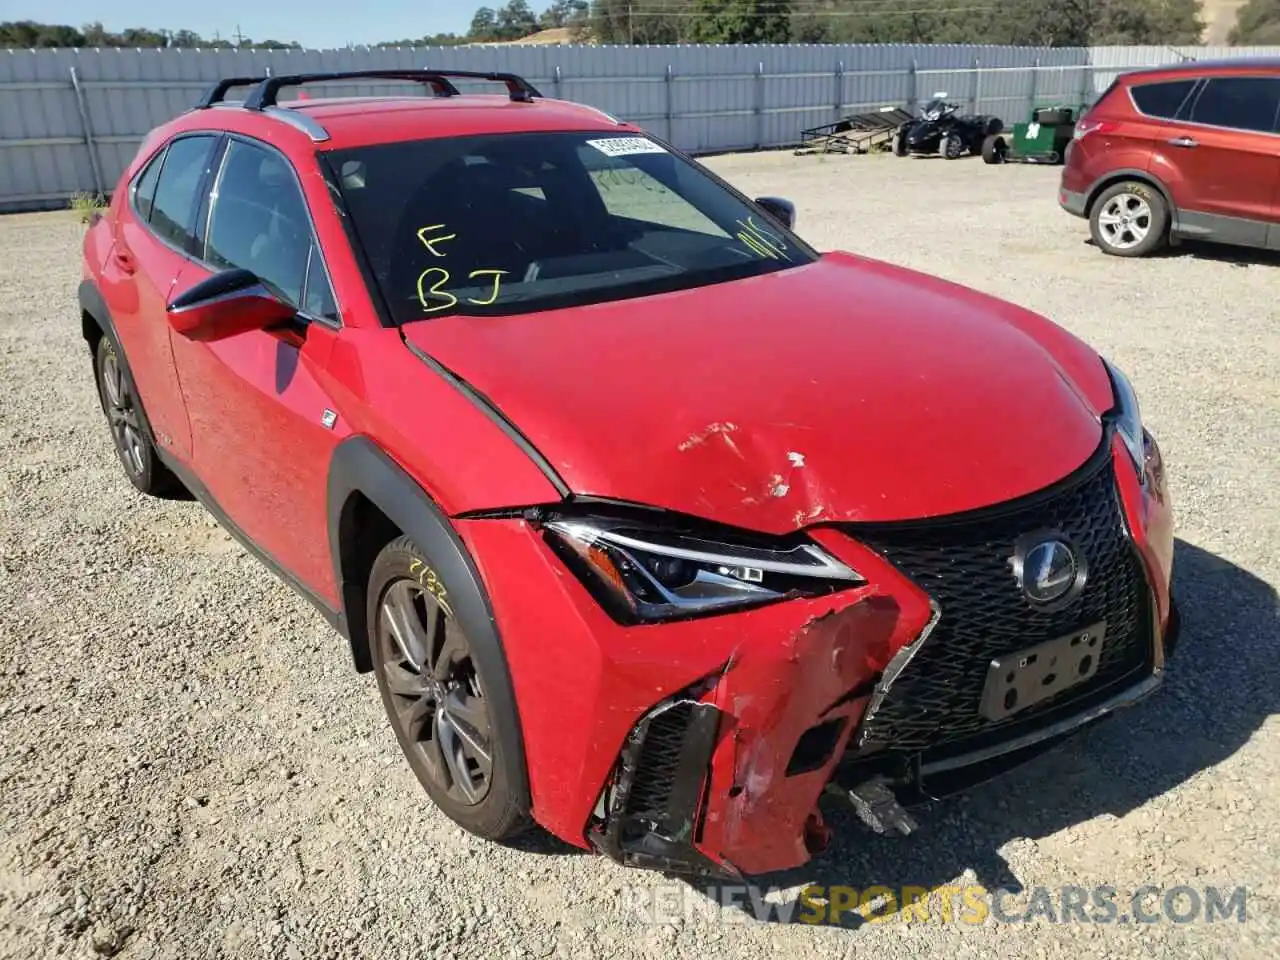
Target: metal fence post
x,y
759,104
913,83
556,81
839,89
1035,85
977,85
669,88
94,163
1086,81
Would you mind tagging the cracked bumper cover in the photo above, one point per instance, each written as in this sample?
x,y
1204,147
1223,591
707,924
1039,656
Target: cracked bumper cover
x,y
703,746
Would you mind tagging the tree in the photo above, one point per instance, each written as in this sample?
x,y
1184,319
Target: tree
x,y
741,21
1257,24
564,13
484,25
516,20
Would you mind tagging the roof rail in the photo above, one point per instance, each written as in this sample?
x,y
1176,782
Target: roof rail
x,y
268,89
218,92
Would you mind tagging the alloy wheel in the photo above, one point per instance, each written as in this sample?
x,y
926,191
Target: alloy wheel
x,y
439,706
122,414
1125,221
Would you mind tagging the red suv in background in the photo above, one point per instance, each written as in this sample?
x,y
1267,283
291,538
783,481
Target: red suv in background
x,y
1191,150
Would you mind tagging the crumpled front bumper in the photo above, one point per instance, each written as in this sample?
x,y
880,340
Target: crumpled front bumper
x,y
704,745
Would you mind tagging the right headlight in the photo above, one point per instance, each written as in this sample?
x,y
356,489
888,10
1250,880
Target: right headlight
x,y
1127,418
644,573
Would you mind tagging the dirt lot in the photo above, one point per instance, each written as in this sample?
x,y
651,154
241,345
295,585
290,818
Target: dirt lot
x,y
189,768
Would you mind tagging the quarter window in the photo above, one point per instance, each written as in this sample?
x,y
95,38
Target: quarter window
x,y
144,187
1241,103
1162,100
258,221
177,194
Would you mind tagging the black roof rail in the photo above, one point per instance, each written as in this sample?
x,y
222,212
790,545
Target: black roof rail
x,y
218,92
268,89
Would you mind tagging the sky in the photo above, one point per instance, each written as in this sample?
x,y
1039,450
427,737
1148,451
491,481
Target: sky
x,y
313,23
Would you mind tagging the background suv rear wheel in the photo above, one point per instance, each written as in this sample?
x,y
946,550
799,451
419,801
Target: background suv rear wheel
x,y
437,699
1129,219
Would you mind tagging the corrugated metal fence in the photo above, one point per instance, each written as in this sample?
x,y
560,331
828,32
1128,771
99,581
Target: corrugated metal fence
x,y
70,120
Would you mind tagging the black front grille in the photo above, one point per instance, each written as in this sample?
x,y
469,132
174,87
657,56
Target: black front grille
x,y
659,761
963,563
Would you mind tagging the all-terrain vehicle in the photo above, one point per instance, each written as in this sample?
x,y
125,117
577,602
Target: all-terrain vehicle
x,y
940,129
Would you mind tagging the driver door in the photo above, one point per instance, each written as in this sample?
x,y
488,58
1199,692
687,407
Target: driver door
x,y
261,424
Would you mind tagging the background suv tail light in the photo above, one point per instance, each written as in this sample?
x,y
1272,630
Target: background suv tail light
x,y
1086,126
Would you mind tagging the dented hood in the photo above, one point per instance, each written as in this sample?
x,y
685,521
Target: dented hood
x,y
843,390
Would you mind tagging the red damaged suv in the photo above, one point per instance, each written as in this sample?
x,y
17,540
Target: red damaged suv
x,y
1187,151
651,521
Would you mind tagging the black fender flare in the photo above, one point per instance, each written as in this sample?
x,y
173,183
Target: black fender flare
x,y
92,304
359,466
1129,173
93,309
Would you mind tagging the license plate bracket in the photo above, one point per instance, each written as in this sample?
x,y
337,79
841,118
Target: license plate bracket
x,y
1022,679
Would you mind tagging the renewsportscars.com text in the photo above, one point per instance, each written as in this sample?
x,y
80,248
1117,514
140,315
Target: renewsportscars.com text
x,y
970,904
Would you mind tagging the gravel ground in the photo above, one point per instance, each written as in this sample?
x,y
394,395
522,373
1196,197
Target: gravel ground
x,y
189,767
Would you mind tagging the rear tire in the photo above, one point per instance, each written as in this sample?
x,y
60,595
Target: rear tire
x,y
130,430
1129,219
440,705
994,149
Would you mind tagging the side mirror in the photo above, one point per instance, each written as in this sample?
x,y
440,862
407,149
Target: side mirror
x,y
230,302
784,211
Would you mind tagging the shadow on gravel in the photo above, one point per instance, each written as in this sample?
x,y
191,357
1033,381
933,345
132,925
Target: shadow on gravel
x,y
1221,686
1217,253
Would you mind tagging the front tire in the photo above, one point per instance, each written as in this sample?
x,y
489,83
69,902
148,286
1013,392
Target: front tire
x,y
1129,219
900,144
951,146
129,429
994,149
438,701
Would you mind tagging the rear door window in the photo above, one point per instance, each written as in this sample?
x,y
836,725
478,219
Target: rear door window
x,y
177,193
1240,103
1161,100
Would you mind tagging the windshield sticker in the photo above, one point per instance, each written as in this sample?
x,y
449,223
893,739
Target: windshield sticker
x,y
764,242
625,146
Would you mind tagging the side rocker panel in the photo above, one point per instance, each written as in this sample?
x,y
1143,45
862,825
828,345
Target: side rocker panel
x,y
360,467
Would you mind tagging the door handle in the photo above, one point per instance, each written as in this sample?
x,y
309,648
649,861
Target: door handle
x,y
1184,142
124,259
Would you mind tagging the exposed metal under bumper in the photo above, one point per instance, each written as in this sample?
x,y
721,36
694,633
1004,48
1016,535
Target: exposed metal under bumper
x,y
1050,732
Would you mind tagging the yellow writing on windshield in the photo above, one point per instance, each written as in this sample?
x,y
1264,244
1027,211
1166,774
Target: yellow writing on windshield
x,y
764,242
497,280
430,243
435,290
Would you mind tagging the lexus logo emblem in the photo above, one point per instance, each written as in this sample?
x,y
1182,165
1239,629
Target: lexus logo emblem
x,y
1048,571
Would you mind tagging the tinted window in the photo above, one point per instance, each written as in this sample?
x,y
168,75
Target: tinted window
x,y
173,213
1243,103
259,220
509,223
144,187
1162,99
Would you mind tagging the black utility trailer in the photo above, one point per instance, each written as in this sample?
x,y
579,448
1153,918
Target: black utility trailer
x,y
856,133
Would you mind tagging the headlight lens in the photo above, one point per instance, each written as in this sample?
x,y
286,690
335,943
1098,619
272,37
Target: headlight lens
x,y
1128,418
642,573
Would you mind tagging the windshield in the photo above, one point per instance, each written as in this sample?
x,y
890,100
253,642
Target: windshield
x,y
506,223
935,108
